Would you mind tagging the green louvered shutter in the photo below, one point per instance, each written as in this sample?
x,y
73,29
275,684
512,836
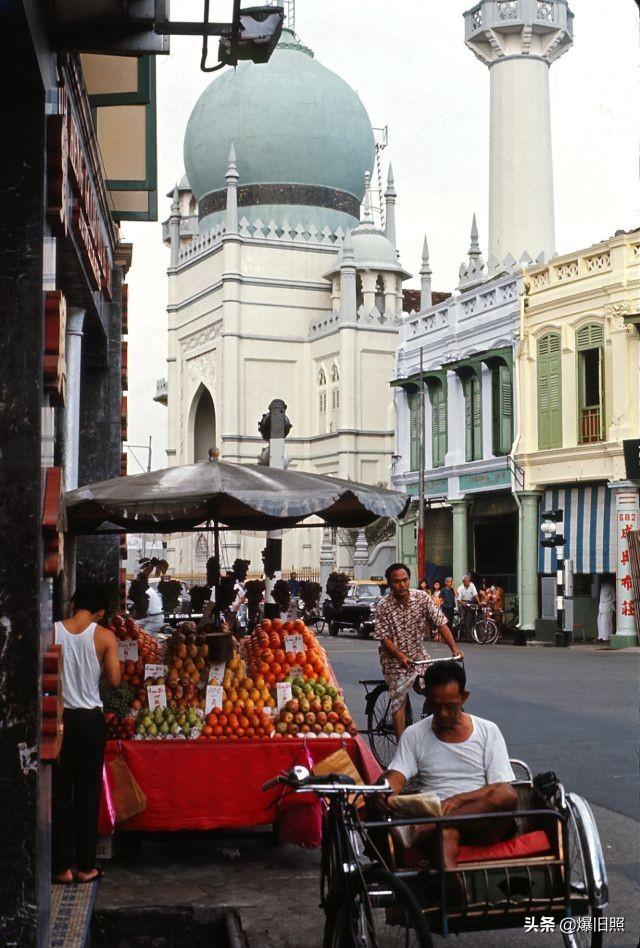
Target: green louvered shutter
x,y
506,409
438,424
590,337
468,419
414,429
476,388
549,392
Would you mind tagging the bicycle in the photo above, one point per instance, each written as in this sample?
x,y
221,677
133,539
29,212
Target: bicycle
x,y
380,731
365,906
484,630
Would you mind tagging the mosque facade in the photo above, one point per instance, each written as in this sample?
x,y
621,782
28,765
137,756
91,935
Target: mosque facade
x,y
281,285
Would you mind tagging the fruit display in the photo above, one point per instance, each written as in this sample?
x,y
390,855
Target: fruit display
x,y
249,705
269,658
317,709
169,724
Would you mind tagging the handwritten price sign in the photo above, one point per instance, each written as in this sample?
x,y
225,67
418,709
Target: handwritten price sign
x,y
214,698
293,643
157,696
216,672
283,693
154,671
128,650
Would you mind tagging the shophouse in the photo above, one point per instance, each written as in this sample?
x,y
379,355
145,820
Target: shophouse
x,y
66,184
578,394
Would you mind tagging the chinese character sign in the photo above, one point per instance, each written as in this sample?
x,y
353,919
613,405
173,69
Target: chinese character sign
x,y
627,506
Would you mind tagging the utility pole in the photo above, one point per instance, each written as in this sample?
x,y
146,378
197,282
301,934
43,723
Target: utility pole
x,y
421,476
552,523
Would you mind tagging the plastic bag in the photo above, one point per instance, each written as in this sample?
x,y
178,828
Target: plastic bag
x,y
300,815
128,798
107,811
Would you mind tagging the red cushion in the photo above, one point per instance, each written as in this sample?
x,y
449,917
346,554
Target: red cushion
x,y
528,844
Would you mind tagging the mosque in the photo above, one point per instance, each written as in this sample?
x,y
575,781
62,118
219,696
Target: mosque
x,y
281,284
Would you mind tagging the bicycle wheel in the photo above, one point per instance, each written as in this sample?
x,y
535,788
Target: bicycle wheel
x,y
382,737
318,623
485,632
385,914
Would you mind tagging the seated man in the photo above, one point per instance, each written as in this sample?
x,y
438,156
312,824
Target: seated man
x,y
461,758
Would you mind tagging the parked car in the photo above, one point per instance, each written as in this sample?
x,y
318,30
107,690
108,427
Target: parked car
x,y
358,611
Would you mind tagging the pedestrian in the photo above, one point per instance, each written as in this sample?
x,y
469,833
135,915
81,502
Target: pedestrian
x,y
88,649
294,585
467,597
402,619
153,622
436,593
424,586
606,607
449,601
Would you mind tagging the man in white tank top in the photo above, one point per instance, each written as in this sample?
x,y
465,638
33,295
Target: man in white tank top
x,y
88,651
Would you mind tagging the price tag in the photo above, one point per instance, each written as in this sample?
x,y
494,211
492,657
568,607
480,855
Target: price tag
x,y
157,695
154,671
283,693
214,698
216,672
293,643
127,650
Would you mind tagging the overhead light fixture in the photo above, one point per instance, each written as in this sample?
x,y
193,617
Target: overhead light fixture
x,y
256,38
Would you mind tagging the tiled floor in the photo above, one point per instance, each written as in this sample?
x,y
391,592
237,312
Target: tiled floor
x,y
71,908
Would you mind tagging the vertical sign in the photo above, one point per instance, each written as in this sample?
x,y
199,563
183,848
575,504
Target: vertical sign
x,y
627,507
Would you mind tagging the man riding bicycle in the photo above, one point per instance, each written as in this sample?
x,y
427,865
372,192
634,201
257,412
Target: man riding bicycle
x,y
467,598
401,621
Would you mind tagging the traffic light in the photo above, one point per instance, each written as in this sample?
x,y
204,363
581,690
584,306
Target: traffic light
x,y
551,528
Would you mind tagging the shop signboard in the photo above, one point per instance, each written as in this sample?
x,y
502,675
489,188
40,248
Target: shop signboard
x,y
627,518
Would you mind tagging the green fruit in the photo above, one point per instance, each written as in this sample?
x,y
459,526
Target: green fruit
x,y
164,728
296,691
186,729
175,728
152,730
332,692
140,730
320,690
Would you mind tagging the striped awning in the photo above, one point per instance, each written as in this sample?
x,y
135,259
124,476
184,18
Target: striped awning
x,y
589,528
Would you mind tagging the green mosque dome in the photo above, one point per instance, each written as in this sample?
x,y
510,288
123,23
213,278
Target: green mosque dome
x,y
302,137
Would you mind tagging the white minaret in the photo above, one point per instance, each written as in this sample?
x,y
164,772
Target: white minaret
x,y
518,40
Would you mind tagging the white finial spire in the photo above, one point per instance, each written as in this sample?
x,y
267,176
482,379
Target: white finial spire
x,y
231,222
474,248
174,228
390,196
425,277
348,295
472,273
367,216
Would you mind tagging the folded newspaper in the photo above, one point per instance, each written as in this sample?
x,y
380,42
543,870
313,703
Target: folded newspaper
x,y
418,804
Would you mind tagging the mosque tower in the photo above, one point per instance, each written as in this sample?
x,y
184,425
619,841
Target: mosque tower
x,y
519,40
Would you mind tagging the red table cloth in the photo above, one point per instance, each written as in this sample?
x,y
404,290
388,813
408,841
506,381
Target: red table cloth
x,y
204,785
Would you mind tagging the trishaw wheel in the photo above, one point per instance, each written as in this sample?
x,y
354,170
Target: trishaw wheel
x,y
384,914
587,872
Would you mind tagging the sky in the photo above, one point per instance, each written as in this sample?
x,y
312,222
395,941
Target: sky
x,y
408,62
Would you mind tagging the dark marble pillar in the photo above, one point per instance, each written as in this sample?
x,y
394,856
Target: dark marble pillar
x,y
24,855
98,558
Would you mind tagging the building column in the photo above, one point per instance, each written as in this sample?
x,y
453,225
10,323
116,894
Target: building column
x,y
73,355
529,527
360,556
460,539
627,520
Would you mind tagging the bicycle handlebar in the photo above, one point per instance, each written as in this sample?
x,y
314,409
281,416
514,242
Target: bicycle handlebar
x,y
437,661
326,784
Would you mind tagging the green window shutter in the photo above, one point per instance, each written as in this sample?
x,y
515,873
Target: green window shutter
x,y
414,429
496,445
590,337
476,388
506,409
549,392
438,424
468,419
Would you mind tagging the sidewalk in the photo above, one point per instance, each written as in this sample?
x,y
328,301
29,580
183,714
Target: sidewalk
x,y
174,889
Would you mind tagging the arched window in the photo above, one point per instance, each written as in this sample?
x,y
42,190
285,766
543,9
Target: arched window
x,y
590,346
322,394
549,365
359,292
202,549
204,427
335,387
379,295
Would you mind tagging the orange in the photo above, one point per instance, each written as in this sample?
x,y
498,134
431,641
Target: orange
x,y
278,655
217,731
308,670
300,658
286,668
291,658
239,732
206,730
266,625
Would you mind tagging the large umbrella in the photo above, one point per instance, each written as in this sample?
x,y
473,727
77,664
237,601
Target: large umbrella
x,y
239,496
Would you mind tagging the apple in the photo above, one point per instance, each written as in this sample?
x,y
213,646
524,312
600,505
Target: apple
x,y
310,717
316,728
316,705
332,717
293,729
292,705
339,728
321,717
305,705
328,728
287,717
339,706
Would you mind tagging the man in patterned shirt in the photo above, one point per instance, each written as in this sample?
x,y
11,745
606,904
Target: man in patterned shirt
x,y
402,619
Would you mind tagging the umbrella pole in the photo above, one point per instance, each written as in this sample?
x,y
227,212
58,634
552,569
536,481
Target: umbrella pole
x,y
216,553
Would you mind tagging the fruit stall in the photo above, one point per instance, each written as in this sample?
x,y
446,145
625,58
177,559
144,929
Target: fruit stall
x,y
201,737
200,733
